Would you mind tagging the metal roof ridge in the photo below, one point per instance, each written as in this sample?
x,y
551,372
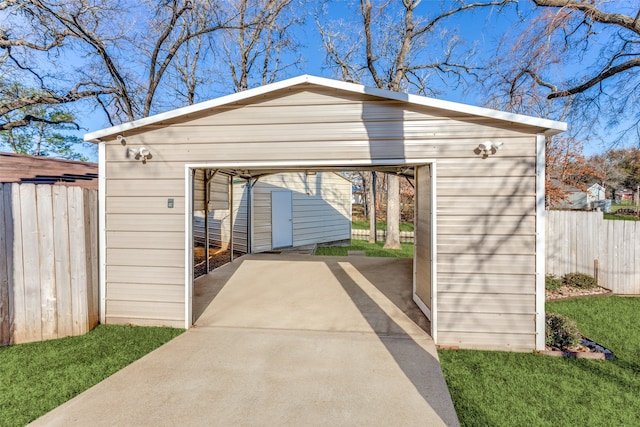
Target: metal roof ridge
x,y
551,126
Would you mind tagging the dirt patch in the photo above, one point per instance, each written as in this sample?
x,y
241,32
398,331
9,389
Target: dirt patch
x,y
217,258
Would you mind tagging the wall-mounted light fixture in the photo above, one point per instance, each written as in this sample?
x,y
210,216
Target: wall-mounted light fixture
x,y
143,154
121,140
488,148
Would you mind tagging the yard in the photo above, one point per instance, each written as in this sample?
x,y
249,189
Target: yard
x,y
370,249
627,205
487,388
37,377
496,388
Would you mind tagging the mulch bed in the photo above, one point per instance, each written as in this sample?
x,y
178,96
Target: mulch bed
x,y
569,292
588,349
217,258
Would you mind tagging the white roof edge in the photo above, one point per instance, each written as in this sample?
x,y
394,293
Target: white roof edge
x,y
552,127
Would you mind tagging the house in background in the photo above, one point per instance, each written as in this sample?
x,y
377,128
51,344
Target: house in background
x,y
357,197
577,199
25,169
289,209
595,193
625,194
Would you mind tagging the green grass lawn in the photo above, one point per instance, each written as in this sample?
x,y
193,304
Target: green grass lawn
x,y
622,204
370,249
620,217
380,225
512,389
37,377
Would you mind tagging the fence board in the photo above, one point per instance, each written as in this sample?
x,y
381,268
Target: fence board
x,y
46,261
575,240
91,209
63,272
19,333
78,261
31,262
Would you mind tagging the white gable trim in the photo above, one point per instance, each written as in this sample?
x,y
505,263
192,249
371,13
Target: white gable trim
x,y
551,126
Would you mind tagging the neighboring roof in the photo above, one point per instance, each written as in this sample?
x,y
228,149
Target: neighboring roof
x,y
565,187
550,127
46,170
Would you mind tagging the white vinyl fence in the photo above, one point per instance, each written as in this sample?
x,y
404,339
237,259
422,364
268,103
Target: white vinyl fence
x,y
48,262
359,234
584,242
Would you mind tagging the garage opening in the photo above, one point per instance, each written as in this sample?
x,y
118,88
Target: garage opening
x,y
294,208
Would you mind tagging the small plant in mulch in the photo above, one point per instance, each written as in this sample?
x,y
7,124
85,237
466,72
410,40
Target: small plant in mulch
x,y
562,332
552,283
563,338
579,280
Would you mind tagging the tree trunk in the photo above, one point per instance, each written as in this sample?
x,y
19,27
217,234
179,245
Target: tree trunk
x,y
393,212
371,204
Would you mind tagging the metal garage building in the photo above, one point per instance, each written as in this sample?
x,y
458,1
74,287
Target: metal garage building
x,y
479,254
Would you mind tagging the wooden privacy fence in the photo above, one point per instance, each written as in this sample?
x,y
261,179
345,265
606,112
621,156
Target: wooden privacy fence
x,y
49,262
584,242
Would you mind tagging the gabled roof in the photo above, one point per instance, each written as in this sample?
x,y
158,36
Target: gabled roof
x,y
23,169
550,127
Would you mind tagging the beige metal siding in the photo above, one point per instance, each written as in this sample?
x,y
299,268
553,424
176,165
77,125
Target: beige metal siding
x,y
493,197
486,252
219,234
321,208
218,190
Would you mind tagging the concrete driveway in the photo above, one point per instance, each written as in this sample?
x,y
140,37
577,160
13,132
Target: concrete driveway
x,y
284,340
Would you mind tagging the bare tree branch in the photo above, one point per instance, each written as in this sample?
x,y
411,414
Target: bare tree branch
x,y
600,77
6,42
71,20
28,119
591,11
48,98
254,41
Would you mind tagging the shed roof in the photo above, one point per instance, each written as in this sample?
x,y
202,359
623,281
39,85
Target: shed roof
x,y
549,127
23,168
